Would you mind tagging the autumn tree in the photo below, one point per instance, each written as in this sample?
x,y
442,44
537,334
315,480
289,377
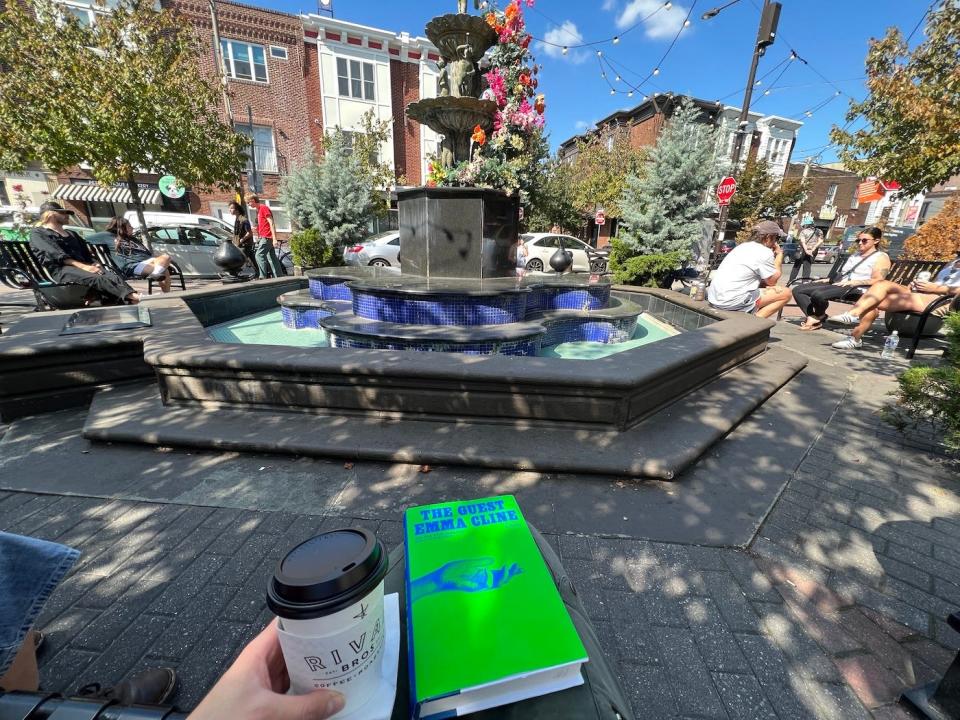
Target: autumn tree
x,y
939,237
912,111
599,170
761,195
123,94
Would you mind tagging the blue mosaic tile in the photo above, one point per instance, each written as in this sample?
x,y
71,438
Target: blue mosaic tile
x,y
330,288
528,347
588,330
440,309
592,297
297,318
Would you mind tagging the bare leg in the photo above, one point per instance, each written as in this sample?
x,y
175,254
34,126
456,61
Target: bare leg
x,y
867,319
875,295
771,300
165,282
23,673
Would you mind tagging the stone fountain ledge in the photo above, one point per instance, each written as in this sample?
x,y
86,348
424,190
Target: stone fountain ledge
x,y
649,411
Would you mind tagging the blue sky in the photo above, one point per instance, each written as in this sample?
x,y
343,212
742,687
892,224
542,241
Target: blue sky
x,y
710,58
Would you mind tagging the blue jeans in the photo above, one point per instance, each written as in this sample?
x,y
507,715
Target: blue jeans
x,y
29,571
267,260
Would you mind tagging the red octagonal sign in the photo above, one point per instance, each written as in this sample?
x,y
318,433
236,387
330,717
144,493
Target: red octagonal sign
x,y
725,190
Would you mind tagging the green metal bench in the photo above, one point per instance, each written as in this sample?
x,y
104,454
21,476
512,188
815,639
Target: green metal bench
x,y
20,269
104,255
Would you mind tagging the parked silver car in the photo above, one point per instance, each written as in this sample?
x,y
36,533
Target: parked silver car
x,y
381,250
192,247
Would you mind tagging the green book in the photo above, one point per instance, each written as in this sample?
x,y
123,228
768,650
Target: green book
x,y
485,623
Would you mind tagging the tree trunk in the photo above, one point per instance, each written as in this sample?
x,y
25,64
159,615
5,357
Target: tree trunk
x,y
135,195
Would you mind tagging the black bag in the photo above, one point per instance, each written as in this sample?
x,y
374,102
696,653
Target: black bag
x,y
799,254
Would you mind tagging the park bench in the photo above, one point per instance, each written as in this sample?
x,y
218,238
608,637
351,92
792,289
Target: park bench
x,y
903,272
20,269
105,257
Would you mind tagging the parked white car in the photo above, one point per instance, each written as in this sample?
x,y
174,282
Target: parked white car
x,y
541,246
380,250
175,218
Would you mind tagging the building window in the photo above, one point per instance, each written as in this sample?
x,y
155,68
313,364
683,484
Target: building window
x,y
349,136
855,202
221,210
281,218
84,14
280,53
264,151
243,61
355,79
776,150
832,193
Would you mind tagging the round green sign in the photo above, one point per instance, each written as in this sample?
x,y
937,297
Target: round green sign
x,y
171,187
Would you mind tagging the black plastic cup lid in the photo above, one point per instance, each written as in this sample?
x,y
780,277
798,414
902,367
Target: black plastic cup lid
x,y
326,574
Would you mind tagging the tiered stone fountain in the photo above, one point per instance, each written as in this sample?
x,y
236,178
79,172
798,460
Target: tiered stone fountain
x,y
458,291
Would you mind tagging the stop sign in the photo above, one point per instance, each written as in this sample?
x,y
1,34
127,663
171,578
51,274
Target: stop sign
x,y
600,218
725,190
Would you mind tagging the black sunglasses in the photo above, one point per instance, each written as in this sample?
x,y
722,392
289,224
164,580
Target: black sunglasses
x,y
863,240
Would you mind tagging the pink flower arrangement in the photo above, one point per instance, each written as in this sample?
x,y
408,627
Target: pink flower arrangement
x,y
498,86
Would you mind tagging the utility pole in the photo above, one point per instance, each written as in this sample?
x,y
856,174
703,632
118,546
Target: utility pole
x,y
221,73
766,33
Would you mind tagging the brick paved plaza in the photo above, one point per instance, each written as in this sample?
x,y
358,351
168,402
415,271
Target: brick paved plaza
x,y
826,602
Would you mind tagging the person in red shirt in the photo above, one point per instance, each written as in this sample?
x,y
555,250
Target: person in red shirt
x,y
266,255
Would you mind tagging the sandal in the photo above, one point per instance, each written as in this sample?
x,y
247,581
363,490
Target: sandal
x,y
813,326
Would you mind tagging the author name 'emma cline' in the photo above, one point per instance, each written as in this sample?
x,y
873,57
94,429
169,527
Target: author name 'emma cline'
x,y
442,519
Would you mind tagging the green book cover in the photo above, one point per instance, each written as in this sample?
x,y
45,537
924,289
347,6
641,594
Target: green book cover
x,y
482,606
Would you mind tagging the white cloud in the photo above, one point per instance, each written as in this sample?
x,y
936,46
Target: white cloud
x,y
663,24
609,5
582,125
565,35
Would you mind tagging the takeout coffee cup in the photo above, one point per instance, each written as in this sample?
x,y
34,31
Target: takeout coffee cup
x,y
328,594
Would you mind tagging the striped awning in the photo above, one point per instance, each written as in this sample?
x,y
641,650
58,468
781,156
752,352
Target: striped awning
x,y
97,193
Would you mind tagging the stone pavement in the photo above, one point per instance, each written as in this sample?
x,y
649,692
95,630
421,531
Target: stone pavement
x,y
829,610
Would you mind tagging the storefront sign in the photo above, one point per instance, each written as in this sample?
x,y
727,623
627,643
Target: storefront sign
x,y
171,187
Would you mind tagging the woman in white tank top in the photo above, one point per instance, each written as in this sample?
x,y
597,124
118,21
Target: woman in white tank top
x,y
862,269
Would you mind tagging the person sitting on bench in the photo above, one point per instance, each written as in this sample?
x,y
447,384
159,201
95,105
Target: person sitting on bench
x,y
69,261
134,258
891,297
866,267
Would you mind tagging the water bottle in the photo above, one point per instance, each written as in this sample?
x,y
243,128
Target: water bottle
x,y
890,343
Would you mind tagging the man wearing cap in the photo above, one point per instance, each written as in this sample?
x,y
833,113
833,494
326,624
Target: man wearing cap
x,y
63,253
746,280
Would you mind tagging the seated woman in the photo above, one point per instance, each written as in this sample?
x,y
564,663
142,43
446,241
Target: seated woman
x,y
68,260
891,297
135,258
866,267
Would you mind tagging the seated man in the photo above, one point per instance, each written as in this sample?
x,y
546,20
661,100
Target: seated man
x,y
891,297
746,279
68,260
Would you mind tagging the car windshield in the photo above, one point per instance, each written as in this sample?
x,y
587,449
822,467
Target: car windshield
x,y
218,231
526,238
379,236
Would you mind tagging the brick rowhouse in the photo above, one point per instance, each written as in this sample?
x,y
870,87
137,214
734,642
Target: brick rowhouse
x,y
279,105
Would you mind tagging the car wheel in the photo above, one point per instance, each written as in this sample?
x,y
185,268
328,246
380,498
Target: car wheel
x,y
379,262
535,265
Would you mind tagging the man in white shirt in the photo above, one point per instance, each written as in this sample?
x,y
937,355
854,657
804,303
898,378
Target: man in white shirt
x,y
746,280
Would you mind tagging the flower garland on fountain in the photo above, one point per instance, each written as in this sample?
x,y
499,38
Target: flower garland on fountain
x,y
507,158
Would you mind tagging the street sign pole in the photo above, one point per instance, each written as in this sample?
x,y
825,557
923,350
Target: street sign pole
x,y
768,22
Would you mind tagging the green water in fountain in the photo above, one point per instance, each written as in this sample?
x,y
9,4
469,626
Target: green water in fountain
x,y
266,328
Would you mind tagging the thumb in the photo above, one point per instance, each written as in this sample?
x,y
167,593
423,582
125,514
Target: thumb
x,y
317,705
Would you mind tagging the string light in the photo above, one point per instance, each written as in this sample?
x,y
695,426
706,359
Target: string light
x,y
617,78
630,93
686,23
612,91
616,39
599,53
656,71
668,5
564,51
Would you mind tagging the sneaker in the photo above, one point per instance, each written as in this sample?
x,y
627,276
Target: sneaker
x,y
150,687
848,343
846,319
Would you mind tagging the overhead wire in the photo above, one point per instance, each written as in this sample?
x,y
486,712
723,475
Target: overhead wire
x,y
614,39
